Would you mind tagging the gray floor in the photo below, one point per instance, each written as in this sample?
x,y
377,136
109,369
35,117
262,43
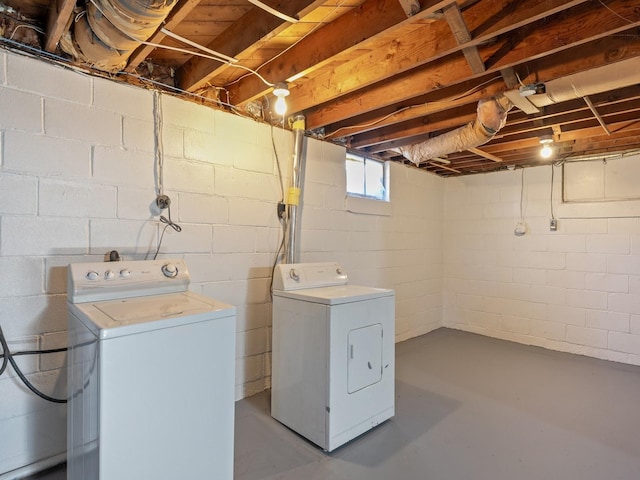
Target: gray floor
x,y
468,408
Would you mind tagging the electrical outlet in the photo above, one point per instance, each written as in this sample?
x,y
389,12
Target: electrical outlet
x,y
521,229
553,225
163,201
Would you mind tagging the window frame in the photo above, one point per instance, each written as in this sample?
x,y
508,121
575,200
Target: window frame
x,y
353,156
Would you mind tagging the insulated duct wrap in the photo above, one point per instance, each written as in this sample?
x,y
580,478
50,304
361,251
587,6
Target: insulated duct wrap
x,y
111,30
491,117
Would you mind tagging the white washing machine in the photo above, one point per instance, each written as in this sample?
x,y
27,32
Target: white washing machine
x,y
333,353
151,375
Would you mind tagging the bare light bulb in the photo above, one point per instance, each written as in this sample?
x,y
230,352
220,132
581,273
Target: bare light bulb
x,y
281,106
281,90
546,151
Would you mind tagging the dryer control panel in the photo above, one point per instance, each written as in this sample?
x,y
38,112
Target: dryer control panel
x,y
90,282
297,276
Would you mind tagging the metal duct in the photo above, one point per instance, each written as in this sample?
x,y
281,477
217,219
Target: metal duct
x,y
111,30
598,80
491,117
294,192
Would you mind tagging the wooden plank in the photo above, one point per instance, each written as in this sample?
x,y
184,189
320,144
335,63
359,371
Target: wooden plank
x,y
462,35
587,100
410,7
59,18
177,14
247,33
486,155
357,29
541,40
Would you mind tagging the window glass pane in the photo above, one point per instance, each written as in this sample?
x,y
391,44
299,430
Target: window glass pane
x,y
355,176
374,179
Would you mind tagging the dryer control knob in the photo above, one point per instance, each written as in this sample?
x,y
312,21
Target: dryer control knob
x,y
124,273
109,275
339,271
91,275
170,270
294,274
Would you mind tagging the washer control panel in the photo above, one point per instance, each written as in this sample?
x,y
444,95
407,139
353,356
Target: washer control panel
x,y
296,276
112,280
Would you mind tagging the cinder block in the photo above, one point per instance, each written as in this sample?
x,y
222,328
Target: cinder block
x,y
607,282
43,236
33,315
548,295
138,135
231,292
210,209
566,243
240,129
587,262
66,199
243,211
53,361
624,303
189,176
568,315
173,141
254,158
623,264
138,203
44,155
254,316
192,239
250,343
269,240
242,183
585,226
531,276
201,146
590,337
624,342
182,113
514,324
81,123
613,243
548,330
123,99
127,236
18,194
249,369
56,271
21,276
635,324
566,279
28,363
48,80
234,238
122,167
3,68
603,320
587,299
20,111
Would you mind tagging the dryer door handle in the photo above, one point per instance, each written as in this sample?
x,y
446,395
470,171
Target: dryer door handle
x,y
351,351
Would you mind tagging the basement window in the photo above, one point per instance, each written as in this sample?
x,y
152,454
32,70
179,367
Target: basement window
x,y
367,178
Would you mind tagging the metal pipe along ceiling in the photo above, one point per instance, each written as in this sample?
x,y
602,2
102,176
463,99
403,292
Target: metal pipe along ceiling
x,y
491,117
110,30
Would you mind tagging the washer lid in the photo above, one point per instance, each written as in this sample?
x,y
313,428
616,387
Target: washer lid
x,y
127,316
335,295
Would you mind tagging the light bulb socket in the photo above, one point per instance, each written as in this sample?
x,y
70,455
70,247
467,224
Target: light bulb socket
x,y
546,139
281,89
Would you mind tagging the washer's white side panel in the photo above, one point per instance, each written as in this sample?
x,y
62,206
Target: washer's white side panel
x,y
299,367
355,413
167,403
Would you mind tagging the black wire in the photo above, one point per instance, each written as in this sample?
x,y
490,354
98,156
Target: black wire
x,y
8,357
552,170
169,223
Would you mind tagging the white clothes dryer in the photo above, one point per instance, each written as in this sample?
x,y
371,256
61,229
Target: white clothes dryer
x,y
150,375
333,353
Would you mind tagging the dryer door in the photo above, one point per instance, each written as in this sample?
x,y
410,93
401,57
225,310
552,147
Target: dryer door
x,y
364,366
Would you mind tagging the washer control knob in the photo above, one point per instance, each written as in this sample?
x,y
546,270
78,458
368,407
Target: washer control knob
x,y
124,273
109,275
170,270
91,275
339,271
294,274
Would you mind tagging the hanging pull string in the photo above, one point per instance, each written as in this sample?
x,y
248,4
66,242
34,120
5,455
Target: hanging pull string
x,y
168,223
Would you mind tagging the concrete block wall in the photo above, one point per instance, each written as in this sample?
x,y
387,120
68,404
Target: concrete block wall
x,y
77,180
574,290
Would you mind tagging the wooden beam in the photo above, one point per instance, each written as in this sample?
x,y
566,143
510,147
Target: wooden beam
x,y
484,154
541,40
410,7
462,35
57,23
244,35
177,15
357,29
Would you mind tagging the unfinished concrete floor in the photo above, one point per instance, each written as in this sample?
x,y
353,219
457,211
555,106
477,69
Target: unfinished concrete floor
x,y
468,407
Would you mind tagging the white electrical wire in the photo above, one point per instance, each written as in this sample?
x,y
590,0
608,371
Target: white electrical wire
x,y
159,146
273,11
